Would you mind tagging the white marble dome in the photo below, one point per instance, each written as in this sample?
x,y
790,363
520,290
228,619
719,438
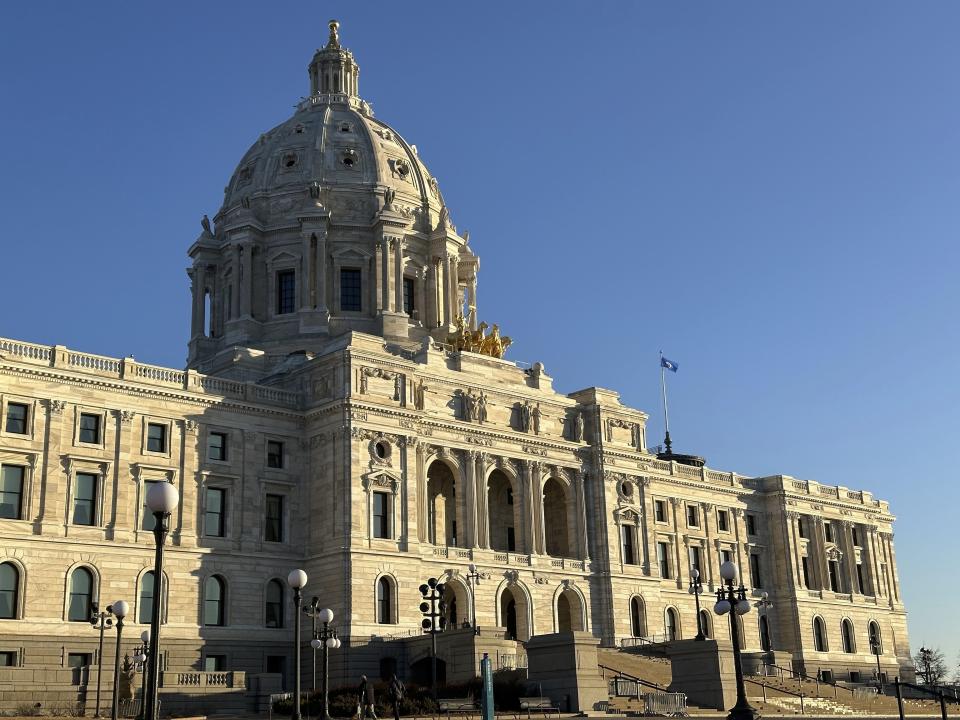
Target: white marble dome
x,y
333,146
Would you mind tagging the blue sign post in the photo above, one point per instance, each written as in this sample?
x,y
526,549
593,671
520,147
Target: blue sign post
x,y
486,696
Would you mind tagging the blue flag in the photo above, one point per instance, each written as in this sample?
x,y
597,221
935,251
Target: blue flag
x,y
668,364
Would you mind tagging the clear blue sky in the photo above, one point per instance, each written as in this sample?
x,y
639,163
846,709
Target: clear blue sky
x,y
767,191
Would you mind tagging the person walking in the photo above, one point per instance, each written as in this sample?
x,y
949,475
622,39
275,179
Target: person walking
x,y
366,699
396,695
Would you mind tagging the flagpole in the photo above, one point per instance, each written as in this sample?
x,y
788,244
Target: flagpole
x,y
666,415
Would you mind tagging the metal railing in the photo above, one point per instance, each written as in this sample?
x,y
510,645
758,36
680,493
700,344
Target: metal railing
x,y
800,677
628,678
781,690
669,704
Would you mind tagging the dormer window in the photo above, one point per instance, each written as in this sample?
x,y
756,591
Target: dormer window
x,y
345,127
290,160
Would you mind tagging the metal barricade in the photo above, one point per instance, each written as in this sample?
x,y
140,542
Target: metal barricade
x,y
668,704
624,687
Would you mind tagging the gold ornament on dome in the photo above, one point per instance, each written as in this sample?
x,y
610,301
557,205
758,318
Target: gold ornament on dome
x,y
494,344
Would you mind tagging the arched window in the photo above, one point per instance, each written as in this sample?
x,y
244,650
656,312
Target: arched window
x,y
81,595
705,623
819,635
672,625
385,601
846,632
638,621
764,634
145,608
274,605
9,590
876,643
213,601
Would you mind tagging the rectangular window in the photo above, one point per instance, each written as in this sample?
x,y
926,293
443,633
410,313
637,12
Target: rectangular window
x,y
660,510
85,499
286,292
149,521
693,516
751,525
860,578
408,294
214,663
8,658
663,553
802,527
695,560
156,438
11,492
78,660
90,428
855,536
805,561
214,512
629,552
755,578
828,531
274,454
723,521
725,556
217,446
834,568
511,540
381,518
16,418
350,290
273,526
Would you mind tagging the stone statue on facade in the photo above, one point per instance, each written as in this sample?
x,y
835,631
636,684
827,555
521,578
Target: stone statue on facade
x,y
419,394
523,412
469,404
536,416
482,407
578,428
205,224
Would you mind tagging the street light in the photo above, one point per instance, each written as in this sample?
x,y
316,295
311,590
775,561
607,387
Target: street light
x,y
119,610
763,606
100,621
297,579
729,599
875,649
162,499
473,577
140,657
432,608
696,587
327,636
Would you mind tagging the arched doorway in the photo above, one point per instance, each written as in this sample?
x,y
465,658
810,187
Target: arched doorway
x,y
556,517
705,627
569,611
457,604
764,634
672,624
638,617
503,512
515,613
441,505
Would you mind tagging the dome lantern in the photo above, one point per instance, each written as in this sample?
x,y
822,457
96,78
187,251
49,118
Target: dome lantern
x,y
333,70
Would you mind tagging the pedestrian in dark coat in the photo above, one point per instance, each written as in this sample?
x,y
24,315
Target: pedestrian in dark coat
x,y
396,695
366,699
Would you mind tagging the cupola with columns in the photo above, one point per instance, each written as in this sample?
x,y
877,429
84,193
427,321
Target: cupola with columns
x,y
330,223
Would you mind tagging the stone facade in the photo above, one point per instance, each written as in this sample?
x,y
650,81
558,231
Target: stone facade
x,y
360,446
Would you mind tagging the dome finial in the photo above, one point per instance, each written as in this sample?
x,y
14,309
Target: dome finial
x,y
334,41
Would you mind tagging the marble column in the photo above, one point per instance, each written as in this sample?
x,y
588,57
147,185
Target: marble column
x,y
246,279
472,501
398,274
423,499
306,272
740,533
675,504
708,560
583,551
237,282
851,556
197,307
320,279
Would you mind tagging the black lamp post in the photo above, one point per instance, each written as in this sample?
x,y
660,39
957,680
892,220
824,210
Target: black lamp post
x,y
297,579
100,620
162,499
140,658
473,577
875,649
734,601
119,610
326,639
432,608
696,587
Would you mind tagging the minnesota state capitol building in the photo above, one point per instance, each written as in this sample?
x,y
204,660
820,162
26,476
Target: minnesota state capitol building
x,y
345,411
